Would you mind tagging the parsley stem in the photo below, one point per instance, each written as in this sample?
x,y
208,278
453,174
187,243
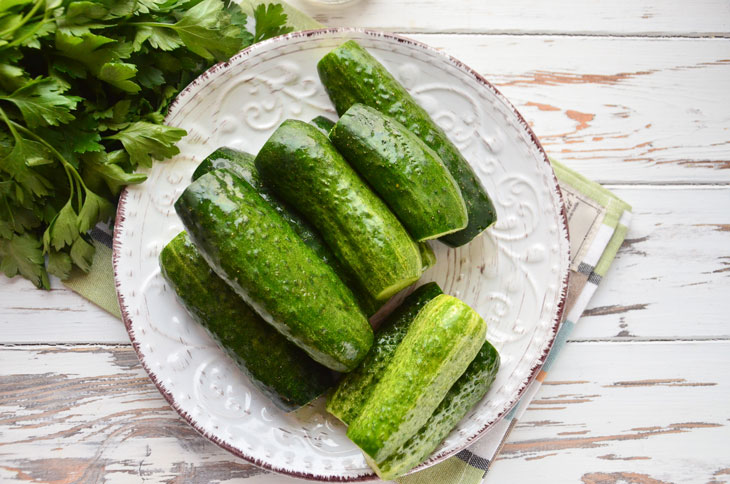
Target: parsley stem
x,y
152,24
25,18
31,32
12,125
71,172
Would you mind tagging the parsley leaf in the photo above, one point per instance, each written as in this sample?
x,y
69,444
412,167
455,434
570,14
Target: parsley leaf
x,y
118,74
18,162
63,229
270,21
21,254
145,141
84,89
42,102
59,264
82,254
95,209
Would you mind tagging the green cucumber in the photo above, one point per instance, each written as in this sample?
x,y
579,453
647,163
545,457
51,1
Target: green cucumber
x,y
255,251
354,389
242,164
224,157
324,124
278,368
428,257
302,167
351,75
407,174
463,395
443,339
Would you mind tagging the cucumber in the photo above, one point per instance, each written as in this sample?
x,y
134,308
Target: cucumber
x,y
351,75
242,164
443,339
428,257
354,389
463,395
278,368
225,157
302,167
408,175
324,124
256,252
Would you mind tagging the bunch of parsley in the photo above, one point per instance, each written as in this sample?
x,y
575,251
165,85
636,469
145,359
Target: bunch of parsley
x,y
84,88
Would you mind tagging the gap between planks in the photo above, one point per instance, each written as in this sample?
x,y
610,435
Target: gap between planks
x,y
633,340
546,33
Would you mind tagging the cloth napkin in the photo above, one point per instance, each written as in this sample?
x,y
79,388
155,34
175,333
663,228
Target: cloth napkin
x,y
597,220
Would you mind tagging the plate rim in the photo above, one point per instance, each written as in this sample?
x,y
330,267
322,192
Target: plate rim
x,y
563,231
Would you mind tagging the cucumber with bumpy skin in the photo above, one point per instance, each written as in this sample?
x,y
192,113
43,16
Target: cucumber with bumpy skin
x,y
352,75
256,252
442,341
242,164
403,170
302,167
354,389
463,395
277,367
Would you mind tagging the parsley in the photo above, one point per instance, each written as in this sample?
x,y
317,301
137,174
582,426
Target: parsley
x,y
270,22
84,88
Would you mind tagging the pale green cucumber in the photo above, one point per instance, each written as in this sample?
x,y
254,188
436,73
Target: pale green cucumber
x,y
440,344
354,389
462,396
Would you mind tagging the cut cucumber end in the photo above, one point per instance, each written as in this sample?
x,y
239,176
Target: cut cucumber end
x,y
463,237
391,291
374,466
336,413
441,234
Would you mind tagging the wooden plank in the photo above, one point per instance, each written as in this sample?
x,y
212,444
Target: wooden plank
x,y
644,413
670,277
664,283
620,17
618,110
29,315
90,414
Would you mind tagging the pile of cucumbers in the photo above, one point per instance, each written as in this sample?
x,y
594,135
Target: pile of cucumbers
x,y
286,254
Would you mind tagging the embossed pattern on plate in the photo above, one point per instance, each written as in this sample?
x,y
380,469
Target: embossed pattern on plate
x,y
514,275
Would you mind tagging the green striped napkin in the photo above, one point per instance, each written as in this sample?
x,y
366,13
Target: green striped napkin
x,y
597,219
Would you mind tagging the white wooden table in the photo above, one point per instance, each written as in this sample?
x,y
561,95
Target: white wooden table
x,y
632,93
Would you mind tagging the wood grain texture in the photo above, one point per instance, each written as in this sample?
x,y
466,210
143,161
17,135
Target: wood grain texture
x,y
611,97
628,413
90,414
28,315
670,276
619,17
618,110
664,283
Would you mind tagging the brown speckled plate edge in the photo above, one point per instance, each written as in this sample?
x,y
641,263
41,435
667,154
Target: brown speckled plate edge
x,y
558,316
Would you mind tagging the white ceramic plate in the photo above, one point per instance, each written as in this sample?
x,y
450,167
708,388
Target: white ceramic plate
x,y
514,275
